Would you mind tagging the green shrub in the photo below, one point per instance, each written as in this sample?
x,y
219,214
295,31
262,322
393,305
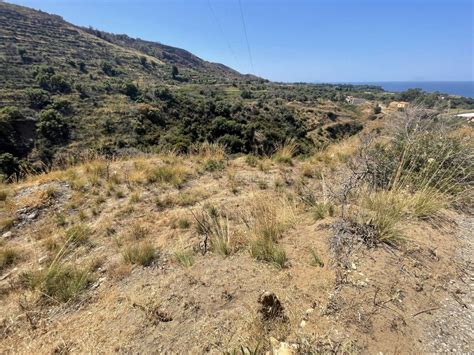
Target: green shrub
x,y
37,98
52,126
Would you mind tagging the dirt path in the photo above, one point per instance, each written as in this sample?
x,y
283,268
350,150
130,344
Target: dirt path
x,y
452,328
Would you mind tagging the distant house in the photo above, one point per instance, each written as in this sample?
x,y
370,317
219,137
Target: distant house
x,y
354,100
468,116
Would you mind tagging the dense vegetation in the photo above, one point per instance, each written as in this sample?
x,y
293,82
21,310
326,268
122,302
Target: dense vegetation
x,y
87,89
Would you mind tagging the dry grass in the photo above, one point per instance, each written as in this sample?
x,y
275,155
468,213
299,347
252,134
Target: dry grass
x,y
142,254
8,257
173,175
59,282
285,152
267,218
215,228
184,258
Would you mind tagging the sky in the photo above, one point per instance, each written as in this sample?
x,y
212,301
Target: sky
x,y
298,40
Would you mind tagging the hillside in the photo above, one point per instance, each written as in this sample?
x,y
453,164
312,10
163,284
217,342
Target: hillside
x,y
209,253
154,202
65,90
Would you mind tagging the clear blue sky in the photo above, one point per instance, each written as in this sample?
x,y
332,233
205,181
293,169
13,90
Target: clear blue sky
x,y
299,40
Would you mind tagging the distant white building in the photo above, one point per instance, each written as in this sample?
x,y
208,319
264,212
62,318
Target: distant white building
x,y
354,100
468,116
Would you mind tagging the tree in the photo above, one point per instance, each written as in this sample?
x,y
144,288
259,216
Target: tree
x,y
9,164
131,90
52,126
37,98
174,71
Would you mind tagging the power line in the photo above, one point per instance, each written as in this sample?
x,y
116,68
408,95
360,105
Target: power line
x,y
222,30
246,37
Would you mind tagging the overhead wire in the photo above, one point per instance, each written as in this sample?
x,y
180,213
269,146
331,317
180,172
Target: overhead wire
x,y
221,29
246,36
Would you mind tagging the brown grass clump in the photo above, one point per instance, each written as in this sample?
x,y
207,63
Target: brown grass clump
x,y
6,223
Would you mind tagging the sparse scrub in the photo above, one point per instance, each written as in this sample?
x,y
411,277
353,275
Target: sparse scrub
x,y
422,153
142,254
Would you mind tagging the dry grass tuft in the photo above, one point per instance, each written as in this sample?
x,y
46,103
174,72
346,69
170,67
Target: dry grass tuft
x,y
285,152
184,258
142,254
173,175
267,218
8,257
215,228
59,282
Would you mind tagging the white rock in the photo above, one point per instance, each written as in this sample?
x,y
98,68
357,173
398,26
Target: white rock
x,y
7,235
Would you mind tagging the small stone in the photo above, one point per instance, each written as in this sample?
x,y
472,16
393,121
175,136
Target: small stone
x,y
43,259
7,235
303,324
32,215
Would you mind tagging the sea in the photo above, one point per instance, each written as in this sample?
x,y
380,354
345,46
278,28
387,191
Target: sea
x,y
463,88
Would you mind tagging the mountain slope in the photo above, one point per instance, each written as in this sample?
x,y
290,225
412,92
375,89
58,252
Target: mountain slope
x,y
31,37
